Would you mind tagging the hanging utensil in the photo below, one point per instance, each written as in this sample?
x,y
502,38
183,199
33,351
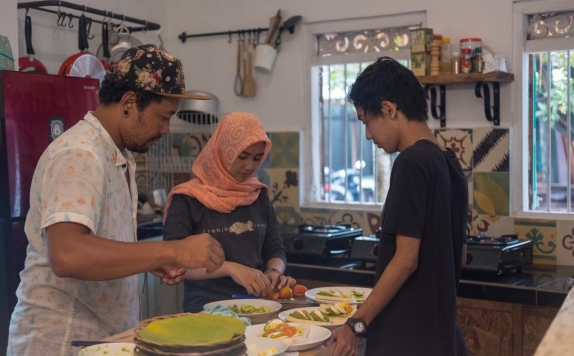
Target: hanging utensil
x,y
249,83
29,63
238,84
83,64
289,25
274,23
105,47
244,63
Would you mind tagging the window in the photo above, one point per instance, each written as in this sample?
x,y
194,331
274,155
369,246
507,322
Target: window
x,y
344,168
547,108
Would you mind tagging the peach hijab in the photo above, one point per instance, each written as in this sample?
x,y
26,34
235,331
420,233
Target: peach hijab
x,y
212,184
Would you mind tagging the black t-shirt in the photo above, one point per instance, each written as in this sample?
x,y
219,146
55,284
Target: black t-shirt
x,y
249,236
427,199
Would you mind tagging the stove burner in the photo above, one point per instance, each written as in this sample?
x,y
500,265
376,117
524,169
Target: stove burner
x,y
503,240
322,229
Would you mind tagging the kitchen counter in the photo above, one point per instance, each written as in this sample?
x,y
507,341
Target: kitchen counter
x,y
559,339
536,285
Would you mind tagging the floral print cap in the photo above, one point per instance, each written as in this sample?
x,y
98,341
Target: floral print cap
x,y
148,68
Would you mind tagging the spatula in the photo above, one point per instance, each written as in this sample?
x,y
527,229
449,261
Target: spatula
x,y
249,83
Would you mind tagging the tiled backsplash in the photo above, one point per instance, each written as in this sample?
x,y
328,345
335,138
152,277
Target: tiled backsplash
x,y
484,154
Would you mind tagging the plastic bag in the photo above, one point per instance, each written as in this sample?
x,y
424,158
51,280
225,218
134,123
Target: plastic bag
x,y
493,61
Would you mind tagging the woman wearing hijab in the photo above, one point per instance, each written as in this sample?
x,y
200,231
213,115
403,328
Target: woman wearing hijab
x,y
225,200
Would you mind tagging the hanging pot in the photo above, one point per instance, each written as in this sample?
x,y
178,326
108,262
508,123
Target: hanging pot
x,y
29,63
125,41
83,64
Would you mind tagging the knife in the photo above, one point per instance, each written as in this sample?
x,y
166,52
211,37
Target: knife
x,y
86,343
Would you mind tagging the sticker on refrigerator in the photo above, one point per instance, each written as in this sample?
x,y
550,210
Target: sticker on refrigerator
x,y
56,127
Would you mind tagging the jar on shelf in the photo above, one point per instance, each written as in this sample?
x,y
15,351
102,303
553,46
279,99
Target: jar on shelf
x,y
445,56
465,61
477,62
455,63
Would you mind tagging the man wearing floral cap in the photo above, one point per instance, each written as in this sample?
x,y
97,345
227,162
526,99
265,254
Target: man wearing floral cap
x,y
80,278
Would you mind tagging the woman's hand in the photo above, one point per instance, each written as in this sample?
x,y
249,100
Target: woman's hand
x,y
278,280
252,279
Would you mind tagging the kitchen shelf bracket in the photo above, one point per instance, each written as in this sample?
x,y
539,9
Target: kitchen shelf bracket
x,y
494,114
40,5
433,102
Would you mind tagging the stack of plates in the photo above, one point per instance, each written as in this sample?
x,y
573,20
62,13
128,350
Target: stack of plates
x,y
190,334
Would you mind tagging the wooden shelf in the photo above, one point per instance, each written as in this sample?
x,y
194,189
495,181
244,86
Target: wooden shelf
x,y
481,82
443,79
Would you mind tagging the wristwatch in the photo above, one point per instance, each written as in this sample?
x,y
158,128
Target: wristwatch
x,y
358,326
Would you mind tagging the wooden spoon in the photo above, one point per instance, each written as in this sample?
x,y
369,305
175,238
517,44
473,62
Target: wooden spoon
x,y
249,83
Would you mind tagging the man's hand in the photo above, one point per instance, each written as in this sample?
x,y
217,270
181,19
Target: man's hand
x,y
347,344
251,279
200,251
170,275
278,280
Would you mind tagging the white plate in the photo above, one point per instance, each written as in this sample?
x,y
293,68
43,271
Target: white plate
x,y
312,294
256,318
317,335
335,322
111,349
255,345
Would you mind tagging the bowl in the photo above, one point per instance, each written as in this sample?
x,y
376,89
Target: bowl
x,y
109,349
256,318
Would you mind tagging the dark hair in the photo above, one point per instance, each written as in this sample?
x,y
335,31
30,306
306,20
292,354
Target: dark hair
x,y
113,91
387,79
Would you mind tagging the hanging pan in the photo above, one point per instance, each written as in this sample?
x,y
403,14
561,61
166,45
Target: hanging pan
x,y
124,42
29,63
83,64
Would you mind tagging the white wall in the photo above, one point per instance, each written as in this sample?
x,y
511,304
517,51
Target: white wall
x,y
53,44
210,62
9,24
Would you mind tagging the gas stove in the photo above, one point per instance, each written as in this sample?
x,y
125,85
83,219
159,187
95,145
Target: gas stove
x,y
500,254
312,243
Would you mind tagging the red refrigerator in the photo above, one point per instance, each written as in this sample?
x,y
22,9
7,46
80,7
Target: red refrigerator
x,y
34,110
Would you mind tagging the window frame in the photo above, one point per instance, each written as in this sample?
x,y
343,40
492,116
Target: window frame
x,y
520,52
311,87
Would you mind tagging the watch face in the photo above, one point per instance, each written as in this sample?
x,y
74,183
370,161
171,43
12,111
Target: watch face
x,y
359,327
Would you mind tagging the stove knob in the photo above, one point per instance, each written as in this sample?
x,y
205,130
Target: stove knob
x,y
298,244
375,250
468,258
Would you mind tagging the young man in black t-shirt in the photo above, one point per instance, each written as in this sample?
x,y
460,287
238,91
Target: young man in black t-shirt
x,y
412,309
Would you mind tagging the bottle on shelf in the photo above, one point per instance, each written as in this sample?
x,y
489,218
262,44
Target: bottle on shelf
x,y
465,61
455,63
445,56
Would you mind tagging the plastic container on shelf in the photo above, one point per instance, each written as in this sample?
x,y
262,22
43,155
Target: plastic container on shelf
x,y
474,43
445,56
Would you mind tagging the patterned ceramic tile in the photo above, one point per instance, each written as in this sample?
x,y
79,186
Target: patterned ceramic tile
x,y
373,223
284,186
492,226
315,216
263,177
287,215
267,162
142,182
285,150
460,141
491,149
490,193
468,175
542,233
187,145
565,242
354,218
141,161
